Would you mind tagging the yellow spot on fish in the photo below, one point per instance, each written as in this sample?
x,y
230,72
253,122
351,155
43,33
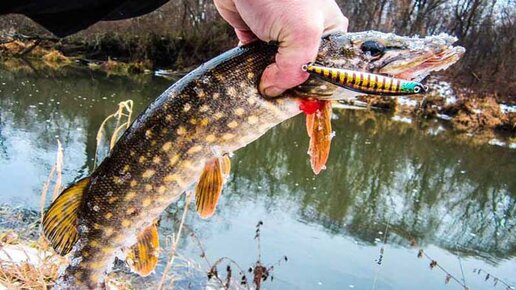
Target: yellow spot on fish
x,y
132,153
218,115
130,195
148,173
174,159
133,183
94,244
148,187
162,189
232,92
117,180
181,130
146,202
239,111
107,250
148,133
187,164
194,149
205,122
251,100
156,160
187,107
170,178
126,168
126,223
250,75
164,131
142,159
130,210
96,226
216,96
211,138
112,199
228,136
233,124
204,108
108,215
169,117
252,120
153,142
193,121
108,231
201,93
166,146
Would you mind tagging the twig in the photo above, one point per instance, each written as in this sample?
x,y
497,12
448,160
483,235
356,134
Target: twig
x,y
433,263
461,269
175,242
380,258
495,279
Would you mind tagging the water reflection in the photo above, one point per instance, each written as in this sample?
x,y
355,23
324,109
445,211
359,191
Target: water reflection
x,y
382,173
382,176
38,109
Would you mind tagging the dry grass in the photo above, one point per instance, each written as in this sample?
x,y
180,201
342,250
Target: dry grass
x,y
122,118
38,267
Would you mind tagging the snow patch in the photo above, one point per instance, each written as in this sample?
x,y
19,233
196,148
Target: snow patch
x,y
402,119
507,108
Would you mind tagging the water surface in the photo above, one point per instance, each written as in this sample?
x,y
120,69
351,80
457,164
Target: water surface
x,y
388,185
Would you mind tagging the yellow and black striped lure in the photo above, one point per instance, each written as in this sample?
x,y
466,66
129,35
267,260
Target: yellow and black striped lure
x,y
363,82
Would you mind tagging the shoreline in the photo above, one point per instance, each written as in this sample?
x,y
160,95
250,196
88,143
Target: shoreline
x,y
486,118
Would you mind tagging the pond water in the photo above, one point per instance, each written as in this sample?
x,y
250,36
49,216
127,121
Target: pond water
x,y
388,185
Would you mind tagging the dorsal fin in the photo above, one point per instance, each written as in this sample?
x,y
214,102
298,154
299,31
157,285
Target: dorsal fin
x,y
318,126
60,220
210,185
143,256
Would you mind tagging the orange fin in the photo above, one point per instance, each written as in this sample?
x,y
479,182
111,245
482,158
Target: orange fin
x,y
209,188
143,256
60,220
319,130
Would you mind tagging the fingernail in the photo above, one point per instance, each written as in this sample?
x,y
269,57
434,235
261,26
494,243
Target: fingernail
x,y
272,91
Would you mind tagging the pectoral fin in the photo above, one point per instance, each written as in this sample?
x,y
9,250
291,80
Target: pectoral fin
x,y
142,257
209,188
319,130
60,220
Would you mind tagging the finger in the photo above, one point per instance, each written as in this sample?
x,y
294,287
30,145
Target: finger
x,y
229,12
334,19
245,36
297,48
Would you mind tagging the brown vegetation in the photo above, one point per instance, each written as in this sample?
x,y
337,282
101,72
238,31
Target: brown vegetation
x,y
185,33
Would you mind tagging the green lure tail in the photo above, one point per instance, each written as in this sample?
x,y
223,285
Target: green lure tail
x,y
363,82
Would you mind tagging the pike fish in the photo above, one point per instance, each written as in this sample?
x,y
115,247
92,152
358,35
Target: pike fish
x,y
182,139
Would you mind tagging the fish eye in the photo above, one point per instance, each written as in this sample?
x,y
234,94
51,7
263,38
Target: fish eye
x,y
417,89
372,47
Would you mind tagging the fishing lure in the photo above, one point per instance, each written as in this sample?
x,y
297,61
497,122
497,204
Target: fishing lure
x,y
365,82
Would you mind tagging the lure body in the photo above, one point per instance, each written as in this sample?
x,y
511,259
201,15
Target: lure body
x,y
364,82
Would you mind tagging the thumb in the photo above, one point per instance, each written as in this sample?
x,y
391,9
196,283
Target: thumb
x,y
296,48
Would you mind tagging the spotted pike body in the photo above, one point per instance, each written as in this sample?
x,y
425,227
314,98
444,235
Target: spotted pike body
x,y
364,82
182,136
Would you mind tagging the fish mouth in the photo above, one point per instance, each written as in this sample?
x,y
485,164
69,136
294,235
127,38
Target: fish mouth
x,y
417,68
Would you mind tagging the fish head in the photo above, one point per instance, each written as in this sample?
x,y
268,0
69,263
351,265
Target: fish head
x,y
408,58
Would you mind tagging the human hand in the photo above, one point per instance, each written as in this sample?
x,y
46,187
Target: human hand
x,y
297,25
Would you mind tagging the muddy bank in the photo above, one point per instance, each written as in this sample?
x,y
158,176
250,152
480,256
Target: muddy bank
x,y
485,118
